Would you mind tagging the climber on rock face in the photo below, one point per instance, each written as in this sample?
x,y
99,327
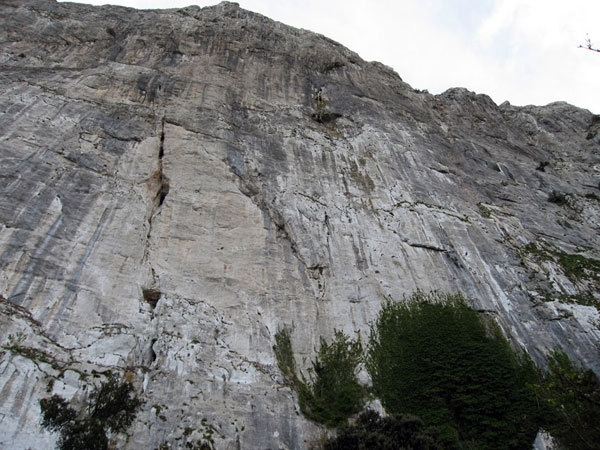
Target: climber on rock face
x,y
319,95
319,104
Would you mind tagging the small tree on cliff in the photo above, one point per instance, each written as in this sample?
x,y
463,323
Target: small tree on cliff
x,y
331,393
111,407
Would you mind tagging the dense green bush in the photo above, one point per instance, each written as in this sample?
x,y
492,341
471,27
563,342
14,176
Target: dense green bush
x,y
373,432
331,393
111,407
449,379
573,395
435,357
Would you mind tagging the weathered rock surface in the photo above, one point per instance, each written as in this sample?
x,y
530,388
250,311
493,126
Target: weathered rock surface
x,y
177,185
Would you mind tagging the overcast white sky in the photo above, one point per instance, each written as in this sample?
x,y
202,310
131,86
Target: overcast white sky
x,y
523,51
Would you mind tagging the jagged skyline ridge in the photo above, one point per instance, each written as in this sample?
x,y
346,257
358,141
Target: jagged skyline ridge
x,y
521,51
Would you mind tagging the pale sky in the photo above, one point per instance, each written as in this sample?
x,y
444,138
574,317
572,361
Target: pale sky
x,y
523,51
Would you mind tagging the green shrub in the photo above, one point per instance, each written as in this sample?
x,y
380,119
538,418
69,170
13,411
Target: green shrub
x,y
111,407
373,432
573,394
435,357
332,392
285,356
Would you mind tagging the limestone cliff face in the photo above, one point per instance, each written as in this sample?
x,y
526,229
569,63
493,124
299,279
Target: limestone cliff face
x,y
177,185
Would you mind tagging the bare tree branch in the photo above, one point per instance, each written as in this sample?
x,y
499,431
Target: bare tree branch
x,y
589,46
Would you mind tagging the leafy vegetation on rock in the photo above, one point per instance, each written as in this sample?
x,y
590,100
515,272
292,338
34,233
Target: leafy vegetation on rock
x,y
373,432
111,407
578,267
573,395
435,357
449,379
285,355
331,393
582,271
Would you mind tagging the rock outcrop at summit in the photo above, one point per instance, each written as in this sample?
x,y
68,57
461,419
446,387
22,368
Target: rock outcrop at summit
x,y
178,185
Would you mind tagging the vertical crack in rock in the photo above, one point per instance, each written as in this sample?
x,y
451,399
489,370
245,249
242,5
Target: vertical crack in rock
x,y
152,293
160,181
163,181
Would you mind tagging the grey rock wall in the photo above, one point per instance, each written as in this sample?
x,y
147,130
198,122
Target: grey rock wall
x,y
178,185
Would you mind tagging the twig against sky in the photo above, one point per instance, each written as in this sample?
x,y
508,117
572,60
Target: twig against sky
x,y
589,46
